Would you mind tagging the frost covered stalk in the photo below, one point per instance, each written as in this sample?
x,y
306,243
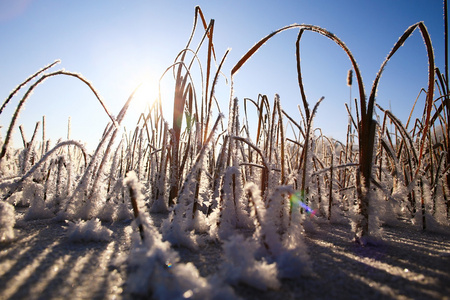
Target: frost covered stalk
x,y
177,228
265,165
134,188
330,191
29,150
19,182
282,139
140,154
17,89
159,186
282,239
367,130
232,213
28,94
306,153
90,197
58,192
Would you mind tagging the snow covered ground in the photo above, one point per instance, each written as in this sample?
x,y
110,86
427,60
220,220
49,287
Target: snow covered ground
x,y
49,259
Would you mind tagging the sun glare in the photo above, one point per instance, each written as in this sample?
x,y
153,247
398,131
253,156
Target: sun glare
x,y
152,90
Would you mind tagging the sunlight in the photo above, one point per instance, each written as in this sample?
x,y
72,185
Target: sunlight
x,y
28,271
150,91
378,264
95,280
49,274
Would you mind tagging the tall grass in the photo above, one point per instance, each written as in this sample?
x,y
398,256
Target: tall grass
x,y
203,173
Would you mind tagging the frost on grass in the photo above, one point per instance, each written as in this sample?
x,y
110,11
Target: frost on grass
x,y
123,212
435,218
179,227
34,193
377,209
7,221
17,199
155,270
117,204
88,231
174,230
231,212
113,211
284,245
294,261
241,266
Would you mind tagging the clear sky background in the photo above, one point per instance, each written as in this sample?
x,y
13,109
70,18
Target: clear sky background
x,y
118,44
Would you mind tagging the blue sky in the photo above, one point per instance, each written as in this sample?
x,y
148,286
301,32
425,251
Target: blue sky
x,y
118,44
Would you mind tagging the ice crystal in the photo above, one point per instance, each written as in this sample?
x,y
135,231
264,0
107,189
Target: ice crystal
x,y
88,231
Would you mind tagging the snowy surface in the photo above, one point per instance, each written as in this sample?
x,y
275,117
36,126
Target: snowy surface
x,y
44,262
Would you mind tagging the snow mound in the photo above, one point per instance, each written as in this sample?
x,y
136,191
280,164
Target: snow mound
x,y
88,231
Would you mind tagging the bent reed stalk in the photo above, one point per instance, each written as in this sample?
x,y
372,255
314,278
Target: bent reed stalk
x,y
29,92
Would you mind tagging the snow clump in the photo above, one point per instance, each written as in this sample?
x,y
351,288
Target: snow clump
x,y
242,267
88,231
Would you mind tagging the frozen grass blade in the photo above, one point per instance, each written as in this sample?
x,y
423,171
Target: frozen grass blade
x,y
304,156
17,184
25,83
29,148
29,92
132,184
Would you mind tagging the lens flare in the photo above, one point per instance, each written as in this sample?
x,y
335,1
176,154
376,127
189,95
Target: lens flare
x,y
296,200
168,264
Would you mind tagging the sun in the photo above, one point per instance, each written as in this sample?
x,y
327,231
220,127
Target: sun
x,y
151,90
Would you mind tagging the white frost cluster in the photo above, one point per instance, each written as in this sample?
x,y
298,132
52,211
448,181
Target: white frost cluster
x,y
7,221
241,266
34,194
155,270
269,255
88,231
